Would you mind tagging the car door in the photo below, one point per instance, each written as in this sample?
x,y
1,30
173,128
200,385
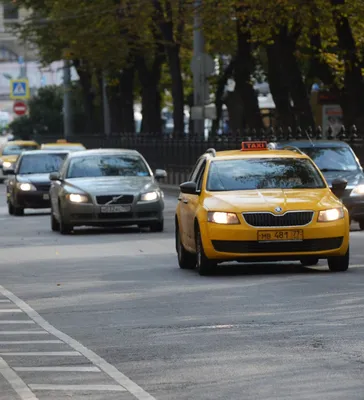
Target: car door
x,y
183,199
192,204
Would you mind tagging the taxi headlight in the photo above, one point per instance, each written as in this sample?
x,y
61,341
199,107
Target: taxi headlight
x,y
150,196
77,198
26,187
357,191
225,218
331,215
7,164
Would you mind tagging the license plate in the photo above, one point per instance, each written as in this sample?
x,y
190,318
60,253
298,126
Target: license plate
x,y
273,236
114,209
46,197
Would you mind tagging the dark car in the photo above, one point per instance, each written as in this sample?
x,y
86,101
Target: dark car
x,y
28,185
336,159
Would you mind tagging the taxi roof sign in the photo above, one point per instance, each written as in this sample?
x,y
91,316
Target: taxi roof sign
x,y
254,146
61,141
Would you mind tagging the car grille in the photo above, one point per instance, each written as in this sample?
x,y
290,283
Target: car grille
x,y
295,218
42,187
308,245
126,199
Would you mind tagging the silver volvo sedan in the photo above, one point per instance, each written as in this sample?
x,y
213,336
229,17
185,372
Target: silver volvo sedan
x,y
106,187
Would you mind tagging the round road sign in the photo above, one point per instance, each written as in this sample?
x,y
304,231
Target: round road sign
x,y
20,108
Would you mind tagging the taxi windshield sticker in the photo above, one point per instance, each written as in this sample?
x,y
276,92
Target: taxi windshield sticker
x,y
253,146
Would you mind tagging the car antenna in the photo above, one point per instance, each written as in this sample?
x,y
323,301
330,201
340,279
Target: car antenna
x,y
309,137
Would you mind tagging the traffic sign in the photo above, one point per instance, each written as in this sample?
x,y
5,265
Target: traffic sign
x,y
19,89
20,108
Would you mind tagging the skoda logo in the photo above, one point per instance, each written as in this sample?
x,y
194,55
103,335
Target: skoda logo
x,y
278,209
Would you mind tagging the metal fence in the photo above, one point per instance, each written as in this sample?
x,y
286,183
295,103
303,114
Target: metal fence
x,y
177,156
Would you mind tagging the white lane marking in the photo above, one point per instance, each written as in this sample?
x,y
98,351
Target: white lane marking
x,y
5,301
84,388
30,341
15,322
109,369
39,353
16,382
9,310
24,333
57,369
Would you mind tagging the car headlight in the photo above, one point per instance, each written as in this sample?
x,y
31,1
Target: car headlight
x,y
7,164
331,215
150,196
225,218
77,198
26,187
357,191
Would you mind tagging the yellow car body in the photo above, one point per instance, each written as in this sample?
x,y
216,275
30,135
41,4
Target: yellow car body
x,y
268,224
10,151
62,144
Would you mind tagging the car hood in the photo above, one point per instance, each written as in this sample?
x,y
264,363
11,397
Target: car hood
x,y
10,158
268,200
112,184
353,178
33,178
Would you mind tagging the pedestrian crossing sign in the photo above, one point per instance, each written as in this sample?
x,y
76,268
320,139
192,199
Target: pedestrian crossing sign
x,y
19,89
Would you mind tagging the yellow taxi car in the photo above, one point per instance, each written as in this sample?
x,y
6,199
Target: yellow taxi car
x,y
9,153
257,204
62,144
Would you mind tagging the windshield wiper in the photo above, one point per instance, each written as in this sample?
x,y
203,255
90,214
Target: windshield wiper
x,y
334,170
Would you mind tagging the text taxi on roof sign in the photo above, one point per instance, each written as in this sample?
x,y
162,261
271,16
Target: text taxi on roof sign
x,y
259,204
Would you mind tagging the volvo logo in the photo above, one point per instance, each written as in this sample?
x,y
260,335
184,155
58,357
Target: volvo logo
x,y
278,209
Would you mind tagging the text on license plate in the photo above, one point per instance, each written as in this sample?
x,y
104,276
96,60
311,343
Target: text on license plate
x,y
264,236
114,209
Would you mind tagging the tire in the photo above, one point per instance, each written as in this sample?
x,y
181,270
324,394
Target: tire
x,y
186,260
204,265
64,229
361,225
10,208
157,226
339,264
18,211
54,223
309,262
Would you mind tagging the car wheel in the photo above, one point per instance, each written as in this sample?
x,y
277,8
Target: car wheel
x,y
64,229
339,264
157,226
309,262
361,225
204,265
186,260
10,208
54,222
18,211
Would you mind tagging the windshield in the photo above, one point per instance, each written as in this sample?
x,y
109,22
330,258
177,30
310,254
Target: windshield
x,y
107,165
263,173
16,149
40,163
333,158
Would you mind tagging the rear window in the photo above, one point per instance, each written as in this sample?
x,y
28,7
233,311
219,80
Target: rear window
x,y
263,173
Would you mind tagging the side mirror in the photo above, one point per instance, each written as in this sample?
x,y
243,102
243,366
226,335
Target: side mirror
x,y
54,176
338,186
188,187
160,174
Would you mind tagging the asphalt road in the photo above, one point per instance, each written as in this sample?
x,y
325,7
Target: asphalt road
x,y
106,315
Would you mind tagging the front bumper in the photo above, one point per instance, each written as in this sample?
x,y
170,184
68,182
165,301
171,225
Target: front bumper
x,y
32,199
91,215
355,206
239,242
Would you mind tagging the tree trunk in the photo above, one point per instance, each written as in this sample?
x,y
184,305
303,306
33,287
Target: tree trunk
x,y
88,96
244,68
177,88
151,98
279,88
353,94
235,110
294,77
